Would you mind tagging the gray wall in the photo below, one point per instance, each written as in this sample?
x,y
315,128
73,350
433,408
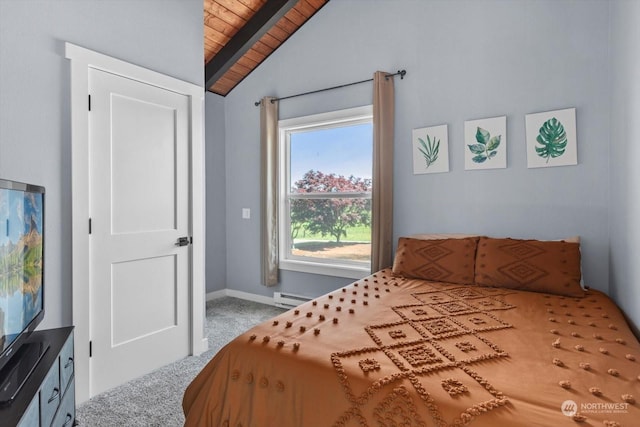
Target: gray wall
x,y
625,152
216,253
465,60
35,146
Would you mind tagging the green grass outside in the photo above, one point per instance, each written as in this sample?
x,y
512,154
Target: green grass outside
x,y
360,233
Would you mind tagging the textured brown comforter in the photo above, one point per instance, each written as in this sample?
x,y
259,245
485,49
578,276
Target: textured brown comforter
x,y
389,351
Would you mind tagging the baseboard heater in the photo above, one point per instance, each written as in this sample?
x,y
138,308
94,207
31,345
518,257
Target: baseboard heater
x,y
286,300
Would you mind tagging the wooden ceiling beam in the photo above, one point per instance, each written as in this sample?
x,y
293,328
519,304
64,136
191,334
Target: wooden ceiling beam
x,y
261,22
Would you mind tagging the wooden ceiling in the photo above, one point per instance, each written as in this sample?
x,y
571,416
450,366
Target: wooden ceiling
x,y
240,34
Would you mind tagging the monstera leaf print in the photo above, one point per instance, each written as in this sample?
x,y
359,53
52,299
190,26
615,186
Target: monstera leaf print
x,y
429,150
552,138
487,146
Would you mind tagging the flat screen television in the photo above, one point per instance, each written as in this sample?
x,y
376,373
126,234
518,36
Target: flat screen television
x,y
21,265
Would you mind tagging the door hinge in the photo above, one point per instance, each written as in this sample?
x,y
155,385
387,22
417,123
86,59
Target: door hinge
x,y
90,348
89,225
89,102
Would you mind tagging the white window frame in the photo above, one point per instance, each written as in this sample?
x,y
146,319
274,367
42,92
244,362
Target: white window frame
x,y
330,267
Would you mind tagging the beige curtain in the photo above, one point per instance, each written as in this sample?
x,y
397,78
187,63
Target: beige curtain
x,y
269,189
382,203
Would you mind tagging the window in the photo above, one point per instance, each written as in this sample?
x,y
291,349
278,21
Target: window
x,y
325,193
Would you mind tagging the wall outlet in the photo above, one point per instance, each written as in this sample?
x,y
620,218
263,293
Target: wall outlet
x,y
246,213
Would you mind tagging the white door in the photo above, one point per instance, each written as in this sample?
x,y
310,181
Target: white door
x,y
139,209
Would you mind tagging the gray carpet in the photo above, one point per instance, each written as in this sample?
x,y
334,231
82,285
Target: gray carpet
x,y
156,399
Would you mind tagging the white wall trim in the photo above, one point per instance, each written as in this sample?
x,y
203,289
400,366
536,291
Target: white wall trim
x,y
216,294
241,295
81,61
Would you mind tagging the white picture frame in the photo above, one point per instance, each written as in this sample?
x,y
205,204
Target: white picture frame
x,y
430,149
485,143
551,138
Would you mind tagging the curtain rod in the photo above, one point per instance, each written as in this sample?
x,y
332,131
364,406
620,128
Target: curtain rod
x,y
400,73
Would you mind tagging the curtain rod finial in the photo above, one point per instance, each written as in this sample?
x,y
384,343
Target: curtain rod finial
x,y
402,73
257,103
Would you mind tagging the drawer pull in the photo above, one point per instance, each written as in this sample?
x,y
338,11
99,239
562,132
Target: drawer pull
x,y
69,363
68,420
54,395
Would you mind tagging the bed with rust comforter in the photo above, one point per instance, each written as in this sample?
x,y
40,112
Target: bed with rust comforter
x,y
391,350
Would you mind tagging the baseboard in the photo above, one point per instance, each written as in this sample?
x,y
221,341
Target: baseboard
x,y
204,346
216,294
241,295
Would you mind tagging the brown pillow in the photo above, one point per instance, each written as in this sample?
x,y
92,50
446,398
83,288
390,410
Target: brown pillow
x,y
529,265
439,260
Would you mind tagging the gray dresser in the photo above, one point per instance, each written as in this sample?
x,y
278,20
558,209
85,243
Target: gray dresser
x,y
48,397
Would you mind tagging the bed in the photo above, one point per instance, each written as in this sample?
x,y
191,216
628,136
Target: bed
x,y
461,331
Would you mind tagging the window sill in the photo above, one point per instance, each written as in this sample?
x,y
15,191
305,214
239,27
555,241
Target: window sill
x,y
350,272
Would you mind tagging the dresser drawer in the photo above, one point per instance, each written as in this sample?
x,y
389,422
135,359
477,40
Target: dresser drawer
x,y
66,363
67,411
50,395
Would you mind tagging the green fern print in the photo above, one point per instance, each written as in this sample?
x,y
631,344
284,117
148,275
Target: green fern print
x,y
429,150
552,138
487,146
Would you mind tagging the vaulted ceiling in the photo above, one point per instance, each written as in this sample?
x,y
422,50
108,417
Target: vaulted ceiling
x,y
240,34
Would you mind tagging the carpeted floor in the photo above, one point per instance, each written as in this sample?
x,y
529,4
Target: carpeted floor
x,y
156,399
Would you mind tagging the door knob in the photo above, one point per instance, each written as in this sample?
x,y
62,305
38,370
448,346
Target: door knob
x,y
182,241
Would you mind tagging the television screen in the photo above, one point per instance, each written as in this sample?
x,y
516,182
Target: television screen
x,y
21,261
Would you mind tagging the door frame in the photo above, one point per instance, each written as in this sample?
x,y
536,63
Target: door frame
x,y
81,60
